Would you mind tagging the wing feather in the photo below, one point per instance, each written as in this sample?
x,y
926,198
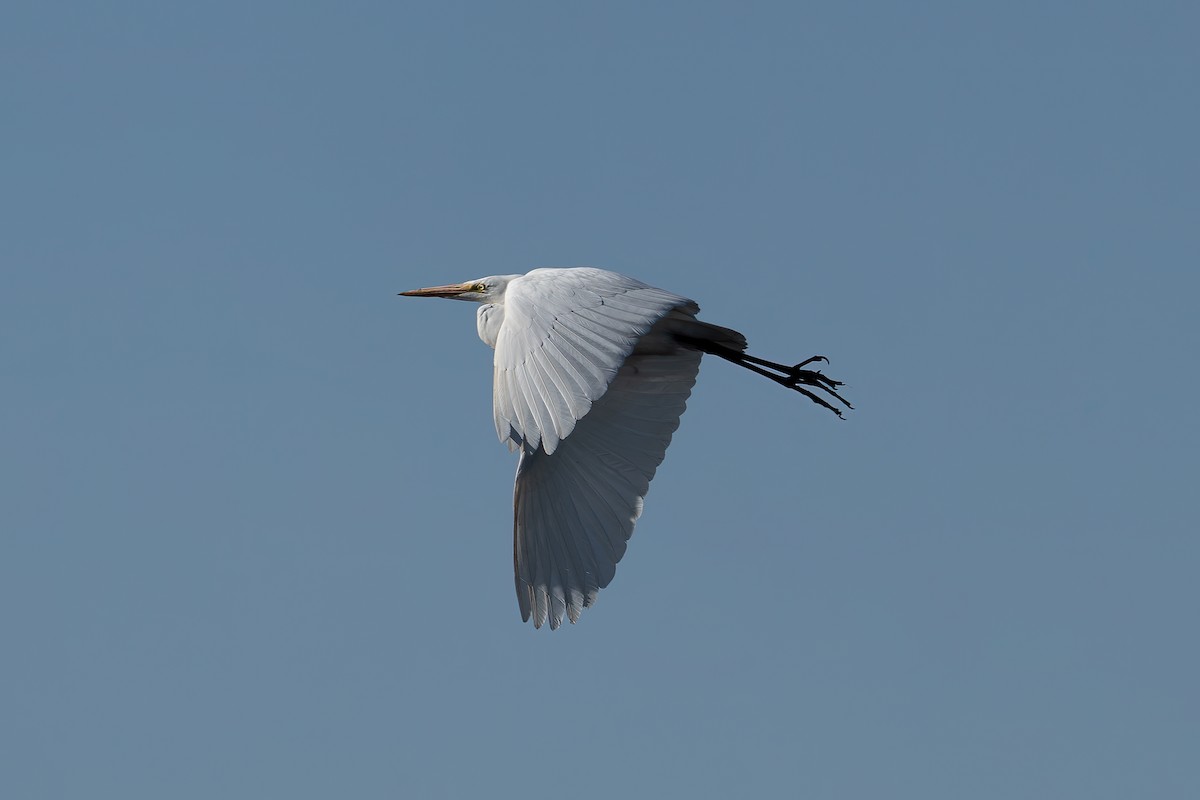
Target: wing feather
x,y
608,543
558,570
546,399
594,320
522,416
576,508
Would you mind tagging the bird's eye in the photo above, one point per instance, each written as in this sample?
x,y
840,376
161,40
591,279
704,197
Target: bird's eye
x,y
479,287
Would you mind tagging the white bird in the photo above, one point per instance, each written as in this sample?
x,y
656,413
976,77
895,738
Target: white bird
x,y
592,372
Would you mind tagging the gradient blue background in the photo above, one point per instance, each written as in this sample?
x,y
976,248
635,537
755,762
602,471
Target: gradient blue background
x,y
255,520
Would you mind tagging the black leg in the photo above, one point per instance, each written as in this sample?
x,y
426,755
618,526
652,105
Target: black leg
x,y
794,377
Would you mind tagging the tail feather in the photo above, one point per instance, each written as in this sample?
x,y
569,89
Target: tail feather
x,y
692,330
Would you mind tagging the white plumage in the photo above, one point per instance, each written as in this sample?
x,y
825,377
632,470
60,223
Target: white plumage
x,y
592,372
563,335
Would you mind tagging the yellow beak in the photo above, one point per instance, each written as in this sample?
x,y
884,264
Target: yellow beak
x,y
450,290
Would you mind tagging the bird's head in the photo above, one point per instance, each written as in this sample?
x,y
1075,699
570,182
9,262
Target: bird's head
x,y
481,290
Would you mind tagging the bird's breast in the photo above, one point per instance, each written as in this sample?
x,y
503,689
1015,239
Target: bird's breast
x,y
488,320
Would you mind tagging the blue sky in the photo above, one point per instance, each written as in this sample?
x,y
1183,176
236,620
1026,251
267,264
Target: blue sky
x,y
255,521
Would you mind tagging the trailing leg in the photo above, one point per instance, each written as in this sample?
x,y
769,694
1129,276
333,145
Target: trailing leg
x,y
794,377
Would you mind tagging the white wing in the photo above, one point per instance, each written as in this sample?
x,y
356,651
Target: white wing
x,y
575,509
566,332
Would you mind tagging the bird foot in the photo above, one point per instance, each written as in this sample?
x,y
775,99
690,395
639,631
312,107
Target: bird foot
x,y
797,378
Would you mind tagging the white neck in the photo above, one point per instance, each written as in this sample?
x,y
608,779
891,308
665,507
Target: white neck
x,y
488,319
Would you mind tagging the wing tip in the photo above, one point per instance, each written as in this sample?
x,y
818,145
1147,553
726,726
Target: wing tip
x,y
542,608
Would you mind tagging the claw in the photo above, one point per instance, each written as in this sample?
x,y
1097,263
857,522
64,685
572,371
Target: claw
x,y
794,377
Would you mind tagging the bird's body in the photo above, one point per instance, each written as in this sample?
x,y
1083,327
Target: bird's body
x,y
592,372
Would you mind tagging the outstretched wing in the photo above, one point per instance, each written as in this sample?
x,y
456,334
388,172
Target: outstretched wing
x,y
575,508
566,333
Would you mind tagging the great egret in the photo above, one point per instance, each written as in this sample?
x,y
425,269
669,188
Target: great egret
x,y
592,371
